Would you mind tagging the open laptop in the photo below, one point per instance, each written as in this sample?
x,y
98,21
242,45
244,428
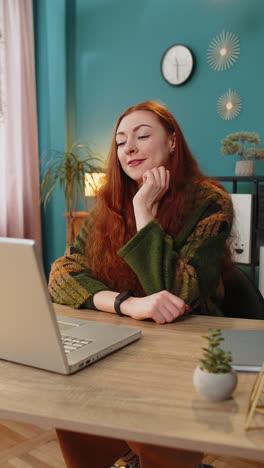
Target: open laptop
x,y
30,333
247,348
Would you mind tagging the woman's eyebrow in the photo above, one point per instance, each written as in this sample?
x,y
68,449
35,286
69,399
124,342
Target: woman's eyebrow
x,y
135,128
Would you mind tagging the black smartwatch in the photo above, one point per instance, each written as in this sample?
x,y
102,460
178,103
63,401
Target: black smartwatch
x,y
121,298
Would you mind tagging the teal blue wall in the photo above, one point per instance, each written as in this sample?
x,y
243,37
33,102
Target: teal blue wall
x,y
115,63
50,47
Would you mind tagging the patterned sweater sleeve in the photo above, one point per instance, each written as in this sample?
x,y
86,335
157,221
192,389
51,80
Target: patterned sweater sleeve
x,y
71,282
190,265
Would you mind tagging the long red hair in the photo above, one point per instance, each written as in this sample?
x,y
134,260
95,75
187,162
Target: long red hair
x,y
112,220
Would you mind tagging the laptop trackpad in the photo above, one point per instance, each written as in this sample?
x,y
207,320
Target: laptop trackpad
x,y
66,326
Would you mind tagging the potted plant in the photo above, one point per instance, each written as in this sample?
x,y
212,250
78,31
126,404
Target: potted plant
x,y
67,169
214,378
236,143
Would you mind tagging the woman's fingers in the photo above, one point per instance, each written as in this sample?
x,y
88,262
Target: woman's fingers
x,y
157,175
155,185
162,307
167,179
148,176
169,308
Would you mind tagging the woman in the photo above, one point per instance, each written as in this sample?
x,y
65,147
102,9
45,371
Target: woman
x,y
154,247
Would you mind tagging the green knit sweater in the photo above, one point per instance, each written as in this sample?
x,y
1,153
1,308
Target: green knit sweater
x,y
189,266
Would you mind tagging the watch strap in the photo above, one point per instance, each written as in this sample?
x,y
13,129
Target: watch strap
x,y
121,298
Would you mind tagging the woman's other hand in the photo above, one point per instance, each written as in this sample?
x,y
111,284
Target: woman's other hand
x,y
155,183
161,307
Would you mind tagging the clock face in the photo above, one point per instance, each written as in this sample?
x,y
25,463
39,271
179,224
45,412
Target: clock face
x,y
177,64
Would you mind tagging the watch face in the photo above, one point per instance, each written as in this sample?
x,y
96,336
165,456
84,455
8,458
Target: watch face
x,y
177,64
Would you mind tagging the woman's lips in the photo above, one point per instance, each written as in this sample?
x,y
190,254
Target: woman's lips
x,y
135,162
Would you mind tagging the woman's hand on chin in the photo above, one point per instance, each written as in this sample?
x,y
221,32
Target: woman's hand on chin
x,y
161,307
155,183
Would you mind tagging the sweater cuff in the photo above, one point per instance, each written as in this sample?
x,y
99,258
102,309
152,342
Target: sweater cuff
x,y
139,237
89,304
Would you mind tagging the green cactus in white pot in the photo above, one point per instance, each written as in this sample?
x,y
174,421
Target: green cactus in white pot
x,y
215,360
214,379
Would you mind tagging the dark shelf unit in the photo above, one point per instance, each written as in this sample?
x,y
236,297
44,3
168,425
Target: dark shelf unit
x,y
255,182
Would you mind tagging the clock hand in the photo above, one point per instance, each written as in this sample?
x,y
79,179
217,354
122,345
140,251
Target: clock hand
x,y
177,68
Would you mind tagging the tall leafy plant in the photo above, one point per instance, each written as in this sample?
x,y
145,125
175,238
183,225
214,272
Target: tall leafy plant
x,y
67,170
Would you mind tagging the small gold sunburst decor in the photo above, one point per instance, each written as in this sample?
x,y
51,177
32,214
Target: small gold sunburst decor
x,y
229,105
223,51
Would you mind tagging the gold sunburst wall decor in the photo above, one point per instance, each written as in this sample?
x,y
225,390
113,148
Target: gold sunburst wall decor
x,y
223,51
229,105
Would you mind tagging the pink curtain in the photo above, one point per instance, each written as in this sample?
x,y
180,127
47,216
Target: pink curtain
x,y
19,167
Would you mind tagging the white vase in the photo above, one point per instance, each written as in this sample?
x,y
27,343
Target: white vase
x,y
214,387
244,168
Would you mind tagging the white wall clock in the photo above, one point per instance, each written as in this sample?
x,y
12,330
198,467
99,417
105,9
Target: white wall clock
x,y
177,64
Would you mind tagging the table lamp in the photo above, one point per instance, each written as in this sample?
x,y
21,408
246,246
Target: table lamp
x,y
93,181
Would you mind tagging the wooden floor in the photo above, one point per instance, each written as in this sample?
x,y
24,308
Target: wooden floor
x,y
28,446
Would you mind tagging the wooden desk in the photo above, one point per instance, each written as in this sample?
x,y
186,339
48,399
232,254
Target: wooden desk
x,y
143,392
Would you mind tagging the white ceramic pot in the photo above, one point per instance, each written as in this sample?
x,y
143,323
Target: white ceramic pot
x,y
214,387
244,168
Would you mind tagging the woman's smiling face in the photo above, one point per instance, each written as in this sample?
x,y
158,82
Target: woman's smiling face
x,y
142,144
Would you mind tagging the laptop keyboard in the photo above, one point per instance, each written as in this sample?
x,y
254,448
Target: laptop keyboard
x,y
72,343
